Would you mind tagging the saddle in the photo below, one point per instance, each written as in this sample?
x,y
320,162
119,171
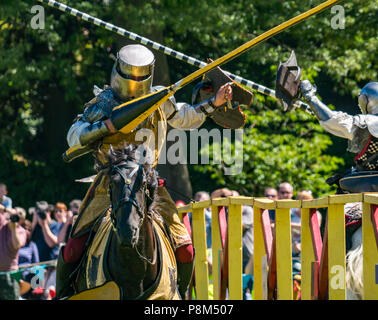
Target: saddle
x,y
360,181
354,181
99,283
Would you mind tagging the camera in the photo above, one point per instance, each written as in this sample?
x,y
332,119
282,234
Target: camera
x,y
14,218
41,214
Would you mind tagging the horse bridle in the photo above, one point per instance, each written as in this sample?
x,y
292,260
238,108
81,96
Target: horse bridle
x,y
127,182
131,199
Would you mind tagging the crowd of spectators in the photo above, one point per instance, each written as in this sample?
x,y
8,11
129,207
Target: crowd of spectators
x,y
29,246
34,237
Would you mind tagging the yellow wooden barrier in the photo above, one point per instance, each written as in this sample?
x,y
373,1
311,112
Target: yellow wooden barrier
x,y
235,252
309,254
336,252
284,249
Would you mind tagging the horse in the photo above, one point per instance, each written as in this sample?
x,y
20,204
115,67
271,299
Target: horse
x,y
138,261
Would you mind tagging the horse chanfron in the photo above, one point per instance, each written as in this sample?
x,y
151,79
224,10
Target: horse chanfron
x,y
128,185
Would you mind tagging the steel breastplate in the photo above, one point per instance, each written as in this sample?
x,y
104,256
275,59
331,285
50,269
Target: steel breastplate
x,y
152,123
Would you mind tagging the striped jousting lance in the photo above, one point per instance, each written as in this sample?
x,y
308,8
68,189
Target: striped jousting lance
x,y
157,46
127,116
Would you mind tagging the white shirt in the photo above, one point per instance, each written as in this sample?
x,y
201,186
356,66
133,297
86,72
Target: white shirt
x,y
356,129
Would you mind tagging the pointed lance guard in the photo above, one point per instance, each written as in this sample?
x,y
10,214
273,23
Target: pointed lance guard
x,y
169,91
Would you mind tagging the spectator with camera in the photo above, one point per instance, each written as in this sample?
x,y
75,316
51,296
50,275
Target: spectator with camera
x,y
12,238
45,232
28,254
66,228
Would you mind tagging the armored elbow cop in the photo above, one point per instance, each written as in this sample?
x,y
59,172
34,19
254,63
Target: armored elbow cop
x,y
93,132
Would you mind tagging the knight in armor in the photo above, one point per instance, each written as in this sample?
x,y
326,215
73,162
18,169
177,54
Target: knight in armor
x,y
361,131
131,77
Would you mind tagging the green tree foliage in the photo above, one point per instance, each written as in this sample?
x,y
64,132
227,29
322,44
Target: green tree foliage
x,y
47,75
292,146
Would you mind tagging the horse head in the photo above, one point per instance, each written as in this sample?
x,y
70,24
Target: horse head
x,y
132,186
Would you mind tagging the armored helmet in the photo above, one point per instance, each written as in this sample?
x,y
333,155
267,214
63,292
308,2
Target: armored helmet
x,y
368,98
132,72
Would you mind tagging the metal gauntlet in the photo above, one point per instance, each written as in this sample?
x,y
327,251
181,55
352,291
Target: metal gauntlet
x,y
321,111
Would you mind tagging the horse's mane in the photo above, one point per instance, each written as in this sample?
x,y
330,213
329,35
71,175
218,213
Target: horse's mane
x,y
353,210
353,275
130,153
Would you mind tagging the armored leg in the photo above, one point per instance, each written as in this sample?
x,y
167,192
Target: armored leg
x,y
64,270
185,272
164,205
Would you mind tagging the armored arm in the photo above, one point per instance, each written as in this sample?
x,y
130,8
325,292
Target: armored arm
x,y
321,111
94,123
338,123
84,133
